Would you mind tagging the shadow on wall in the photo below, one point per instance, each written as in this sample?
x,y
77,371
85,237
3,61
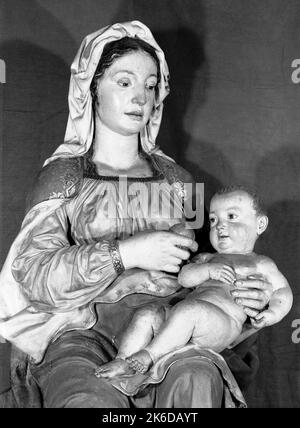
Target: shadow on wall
x,y
35,111
189,85
278,183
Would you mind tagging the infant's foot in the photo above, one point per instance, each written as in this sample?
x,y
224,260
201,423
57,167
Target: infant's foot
x,y
140,361
114,368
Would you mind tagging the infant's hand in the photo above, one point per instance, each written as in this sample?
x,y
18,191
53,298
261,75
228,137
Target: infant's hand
x,y
264,319
221,272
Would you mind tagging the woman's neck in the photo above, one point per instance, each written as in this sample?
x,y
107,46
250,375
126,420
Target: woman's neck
x,y
116,151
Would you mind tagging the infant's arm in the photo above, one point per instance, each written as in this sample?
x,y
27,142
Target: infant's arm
x,y
202,269
196,272
282,298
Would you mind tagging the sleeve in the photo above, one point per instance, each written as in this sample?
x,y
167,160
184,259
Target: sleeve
x,y
61,179
57,276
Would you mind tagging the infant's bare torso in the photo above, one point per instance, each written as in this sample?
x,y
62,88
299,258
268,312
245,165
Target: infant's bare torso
x,y
218,292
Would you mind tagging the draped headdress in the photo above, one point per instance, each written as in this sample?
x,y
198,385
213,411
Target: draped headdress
x,y
80,126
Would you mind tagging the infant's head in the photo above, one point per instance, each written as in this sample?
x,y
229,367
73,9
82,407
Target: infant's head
x,y
236,220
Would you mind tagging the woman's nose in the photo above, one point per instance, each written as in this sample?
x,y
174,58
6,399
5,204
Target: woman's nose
x,y
140,97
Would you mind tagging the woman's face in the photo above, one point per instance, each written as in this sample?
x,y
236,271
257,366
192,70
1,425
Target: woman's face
x,y
126,93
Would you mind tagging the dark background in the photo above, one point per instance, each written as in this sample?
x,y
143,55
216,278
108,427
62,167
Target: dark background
x,y
233,116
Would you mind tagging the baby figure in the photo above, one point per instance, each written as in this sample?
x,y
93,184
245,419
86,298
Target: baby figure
x,y
208,316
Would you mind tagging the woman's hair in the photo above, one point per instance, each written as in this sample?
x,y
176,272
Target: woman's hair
x,y
117,49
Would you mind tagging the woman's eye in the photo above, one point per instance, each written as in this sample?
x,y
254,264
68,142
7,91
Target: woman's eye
x,y
232,216
212,220
124,83
151,86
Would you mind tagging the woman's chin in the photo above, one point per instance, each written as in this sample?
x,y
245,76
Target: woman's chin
x,y
135,129
133,126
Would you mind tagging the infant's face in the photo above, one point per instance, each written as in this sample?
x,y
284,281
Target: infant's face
x,y
233,223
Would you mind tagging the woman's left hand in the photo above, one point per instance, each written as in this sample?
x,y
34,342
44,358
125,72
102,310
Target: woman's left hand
x,y
253,294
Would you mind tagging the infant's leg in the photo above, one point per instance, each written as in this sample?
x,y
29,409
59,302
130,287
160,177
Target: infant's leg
x,y
144,324
174,333
198,322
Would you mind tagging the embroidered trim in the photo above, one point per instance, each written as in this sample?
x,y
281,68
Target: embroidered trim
x,y
170,171
91,172
116,257
157,177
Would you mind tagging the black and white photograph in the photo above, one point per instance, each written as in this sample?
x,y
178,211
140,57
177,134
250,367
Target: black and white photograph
x,y
149,206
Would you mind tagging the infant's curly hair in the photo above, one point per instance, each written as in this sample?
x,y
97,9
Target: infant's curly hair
x,y
258,205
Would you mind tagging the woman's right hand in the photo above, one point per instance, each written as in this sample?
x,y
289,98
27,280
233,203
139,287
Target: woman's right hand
x,y
156,250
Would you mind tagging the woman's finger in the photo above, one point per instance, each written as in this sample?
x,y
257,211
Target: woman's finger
x,y
171,268
180,253
253,294
252,313
183,241
174,261
254,283
259,316
249,303
258,324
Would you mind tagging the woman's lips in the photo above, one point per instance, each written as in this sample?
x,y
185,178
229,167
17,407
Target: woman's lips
x,y
135,115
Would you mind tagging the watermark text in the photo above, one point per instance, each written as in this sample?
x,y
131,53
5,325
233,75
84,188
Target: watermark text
x,y
2,71
296,73
296,332
158,201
